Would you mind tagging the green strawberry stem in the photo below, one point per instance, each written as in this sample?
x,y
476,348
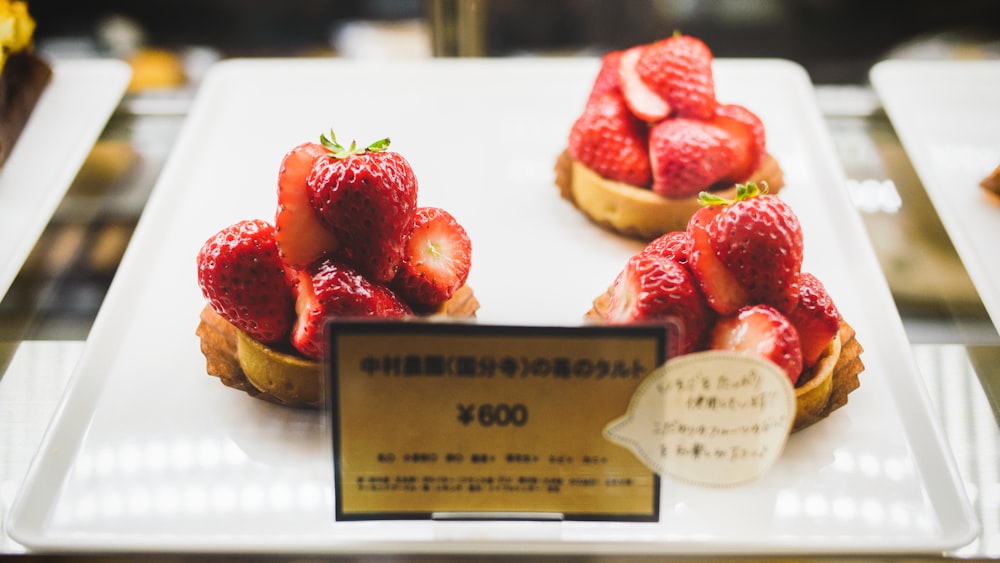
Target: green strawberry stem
x,y
338,151
743,191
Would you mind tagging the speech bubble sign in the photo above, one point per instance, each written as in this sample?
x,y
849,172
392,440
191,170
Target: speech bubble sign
x,y
714,418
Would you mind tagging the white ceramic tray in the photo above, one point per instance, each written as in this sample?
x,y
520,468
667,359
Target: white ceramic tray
x,y
69,117
147,452
947,117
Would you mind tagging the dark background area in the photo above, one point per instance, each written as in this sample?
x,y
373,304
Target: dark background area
x,y
63,284
836,40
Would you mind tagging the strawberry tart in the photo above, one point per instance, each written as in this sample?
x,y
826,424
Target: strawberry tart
x,y
348,240
652,136
23,77
733,279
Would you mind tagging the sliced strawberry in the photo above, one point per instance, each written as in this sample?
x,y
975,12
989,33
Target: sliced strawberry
x,y
688,156
747,132
652,288
678,70
815,317
301,238
245,282
724,293
643,102
330,289
764,331
436,260
674,246
366,197
607,77
610,141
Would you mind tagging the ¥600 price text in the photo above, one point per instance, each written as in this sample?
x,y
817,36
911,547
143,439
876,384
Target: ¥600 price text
x,y
489,415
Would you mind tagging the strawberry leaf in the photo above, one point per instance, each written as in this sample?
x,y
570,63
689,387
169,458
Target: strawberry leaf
x,y
743,192
747,191
707,198
338,151
378,146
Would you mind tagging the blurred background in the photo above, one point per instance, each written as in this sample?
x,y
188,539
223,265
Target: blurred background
x,y
836,40
171,43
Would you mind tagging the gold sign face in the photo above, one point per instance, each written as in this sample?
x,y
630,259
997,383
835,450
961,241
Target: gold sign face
x,y
438,420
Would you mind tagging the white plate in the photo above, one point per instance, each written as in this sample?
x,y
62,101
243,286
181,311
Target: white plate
x,y
147,452
947,116
66,121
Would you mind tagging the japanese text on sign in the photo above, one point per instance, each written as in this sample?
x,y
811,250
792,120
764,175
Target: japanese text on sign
x,y
439,365
713,418
437,418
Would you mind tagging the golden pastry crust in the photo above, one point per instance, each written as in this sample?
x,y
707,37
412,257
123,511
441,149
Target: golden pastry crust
x,y
155,69
821,390
826,387
639,212
991,184
284,378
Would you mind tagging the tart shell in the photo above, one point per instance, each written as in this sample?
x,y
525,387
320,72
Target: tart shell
x,y
991,184
276,376
821,389
639,212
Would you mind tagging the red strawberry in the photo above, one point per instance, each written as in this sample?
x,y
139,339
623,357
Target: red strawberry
x,y
366,197
244,280
815,317
610,141
688,156
643,102
652,288
301,238
757,241
747,132
721,289
674,246
330,289
761,330
679,70
607,77
436,260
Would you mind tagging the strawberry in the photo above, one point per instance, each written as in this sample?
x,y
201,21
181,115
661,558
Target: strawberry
x,y
688,156
759,239
674,246
721,289
751,249
365,197
610,141
301,238
644,103
678,70
815,316
330,289
436,260
244,280
747,132
607,76
761,330
652,288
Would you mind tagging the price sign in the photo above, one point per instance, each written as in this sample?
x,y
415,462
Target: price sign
x,y
445,420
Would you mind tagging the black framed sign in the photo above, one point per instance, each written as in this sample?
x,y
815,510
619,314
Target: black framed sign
x,y
445,420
